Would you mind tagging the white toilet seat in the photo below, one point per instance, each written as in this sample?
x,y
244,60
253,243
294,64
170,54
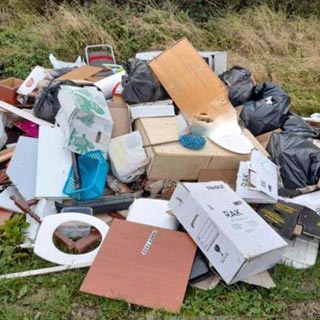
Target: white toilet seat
x,y
46,249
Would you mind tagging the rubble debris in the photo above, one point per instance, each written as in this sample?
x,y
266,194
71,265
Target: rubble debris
x,y
147,248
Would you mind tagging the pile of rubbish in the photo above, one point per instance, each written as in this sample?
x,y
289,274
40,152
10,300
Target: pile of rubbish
x,y
167,172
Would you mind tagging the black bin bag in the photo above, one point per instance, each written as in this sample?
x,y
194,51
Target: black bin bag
x,y
296,125
240,85
140,85
47,104
298,158
268,111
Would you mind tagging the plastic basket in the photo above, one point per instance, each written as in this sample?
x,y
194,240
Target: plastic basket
x,y
93,169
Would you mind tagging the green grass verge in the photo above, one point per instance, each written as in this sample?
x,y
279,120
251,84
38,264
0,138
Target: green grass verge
x,y
57,297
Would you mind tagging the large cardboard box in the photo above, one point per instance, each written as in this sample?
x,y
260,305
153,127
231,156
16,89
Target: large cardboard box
x,y
234,238
170,160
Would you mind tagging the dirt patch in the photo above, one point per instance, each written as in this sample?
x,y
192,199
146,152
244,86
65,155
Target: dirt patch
x,y
305,310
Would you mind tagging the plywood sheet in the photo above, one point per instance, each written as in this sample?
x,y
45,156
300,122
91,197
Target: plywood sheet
x,y
144,265
81,73
4,215
190,82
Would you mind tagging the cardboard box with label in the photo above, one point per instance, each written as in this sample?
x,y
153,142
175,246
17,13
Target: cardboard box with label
x,y
170,160
234,238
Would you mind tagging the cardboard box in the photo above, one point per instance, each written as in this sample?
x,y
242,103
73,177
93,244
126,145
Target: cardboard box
x,y
85,119
121,118
227,176
8,90
170,160
234,238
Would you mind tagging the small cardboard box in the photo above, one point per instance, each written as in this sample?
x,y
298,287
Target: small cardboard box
x,y
170,160
8,90
234,238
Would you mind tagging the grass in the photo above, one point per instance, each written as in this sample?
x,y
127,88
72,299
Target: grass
x,y
57,296
272,45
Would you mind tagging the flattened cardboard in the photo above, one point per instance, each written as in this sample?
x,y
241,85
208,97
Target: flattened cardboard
x,y
227,176
121,118
80,73
144,265
190,82
263,174
245,190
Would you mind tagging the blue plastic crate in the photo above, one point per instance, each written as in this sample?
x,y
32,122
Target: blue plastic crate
x,y
93,169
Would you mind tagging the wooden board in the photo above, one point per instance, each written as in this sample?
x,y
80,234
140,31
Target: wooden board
x,y
80,73
24,114
190,82
144,265
159,130
4,215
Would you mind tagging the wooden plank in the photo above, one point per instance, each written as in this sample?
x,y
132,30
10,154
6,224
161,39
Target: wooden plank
x,y
6,154
24,114
190,82
80,73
